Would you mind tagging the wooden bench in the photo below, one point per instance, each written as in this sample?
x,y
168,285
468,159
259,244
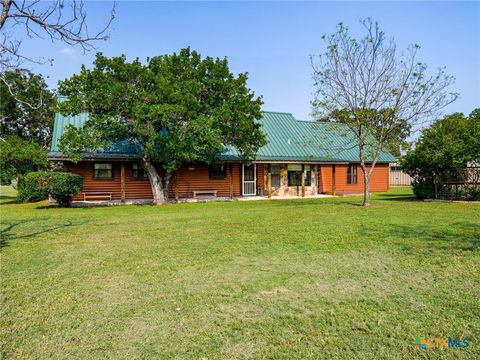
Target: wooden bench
x,y
204,192
99,195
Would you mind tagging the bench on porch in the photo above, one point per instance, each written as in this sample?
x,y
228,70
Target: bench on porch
x,y
204,192
98,195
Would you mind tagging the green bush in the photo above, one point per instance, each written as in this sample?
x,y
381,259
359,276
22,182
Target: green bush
x,y
63,186
423,189
36,186
472,193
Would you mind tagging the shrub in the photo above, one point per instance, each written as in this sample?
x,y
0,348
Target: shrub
x,y
423,189
61,186
472,193
34,186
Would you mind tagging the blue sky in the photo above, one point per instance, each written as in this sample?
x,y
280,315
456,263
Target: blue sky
x,y
273,40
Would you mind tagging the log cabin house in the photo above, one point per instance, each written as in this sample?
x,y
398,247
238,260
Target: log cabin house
x,y
301,158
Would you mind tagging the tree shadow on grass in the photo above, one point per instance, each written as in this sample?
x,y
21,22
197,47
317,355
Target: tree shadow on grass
x,y
462,235
395,197
5,199
11,231
305,202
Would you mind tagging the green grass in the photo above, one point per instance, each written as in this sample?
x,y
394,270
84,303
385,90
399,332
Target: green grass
x,y
293,279
7,194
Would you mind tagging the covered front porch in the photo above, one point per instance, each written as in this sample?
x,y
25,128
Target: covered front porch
x,y
280,179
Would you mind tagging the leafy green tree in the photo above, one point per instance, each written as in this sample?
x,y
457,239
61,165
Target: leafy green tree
x,y
17,116
445,148
179,108
19,157
379,94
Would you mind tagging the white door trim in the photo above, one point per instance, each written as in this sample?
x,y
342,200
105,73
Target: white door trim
x,y
247,185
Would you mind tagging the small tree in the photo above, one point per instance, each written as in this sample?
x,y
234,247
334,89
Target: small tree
x,y
443,153
19,157
179,108
30,123
380,95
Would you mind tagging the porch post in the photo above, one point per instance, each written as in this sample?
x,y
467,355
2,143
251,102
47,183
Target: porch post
x,y
122,182
231,180
303,180
269,180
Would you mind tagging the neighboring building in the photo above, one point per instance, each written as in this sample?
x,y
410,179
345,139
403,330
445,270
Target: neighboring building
x,y
301,158
398,177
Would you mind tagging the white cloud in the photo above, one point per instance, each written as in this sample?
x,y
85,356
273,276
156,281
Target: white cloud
x,y
68,51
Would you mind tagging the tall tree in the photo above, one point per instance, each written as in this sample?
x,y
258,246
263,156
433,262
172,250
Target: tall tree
x,y
379,94
179,108
16,118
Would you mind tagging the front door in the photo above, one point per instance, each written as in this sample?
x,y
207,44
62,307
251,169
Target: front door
x,y
249,176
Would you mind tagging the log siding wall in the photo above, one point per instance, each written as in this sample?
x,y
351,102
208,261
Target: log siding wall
x,y
197,177
134,188
190,177
379,181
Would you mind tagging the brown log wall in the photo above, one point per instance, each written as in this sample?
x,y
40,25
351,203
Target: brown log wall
x,y
134,188
379,181
197,177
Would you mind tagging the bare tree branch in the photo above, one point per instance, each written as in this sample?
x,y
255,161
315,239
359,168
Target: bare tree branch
x,y
56,20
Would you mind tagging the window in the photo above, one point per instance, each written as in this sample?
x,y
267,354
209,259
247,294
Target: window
x,y
103,170
352,174
138,172
218,172
295,175
275,175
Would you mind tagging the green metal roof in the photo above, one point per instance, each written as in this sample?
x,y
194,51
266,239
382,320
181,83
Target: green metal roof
x,y
288,140
121,149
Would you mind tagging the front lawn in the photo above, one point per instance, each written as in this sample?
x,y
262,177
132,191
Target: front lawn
x,y
311,278
7,194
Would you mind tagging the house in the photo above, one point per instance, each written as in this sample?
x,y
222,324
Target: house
x,y
301,158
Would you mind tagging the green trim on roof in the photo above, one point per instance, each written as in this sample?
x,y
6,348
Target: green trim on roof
x,y
288,140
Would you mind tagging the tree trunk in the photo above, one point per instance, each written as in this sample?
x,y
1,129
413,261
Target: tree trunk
x,y
366,186
155,182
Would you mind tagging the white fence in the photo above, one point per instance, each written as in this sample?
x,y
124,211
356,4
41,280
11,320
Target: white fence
x,y
398,177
